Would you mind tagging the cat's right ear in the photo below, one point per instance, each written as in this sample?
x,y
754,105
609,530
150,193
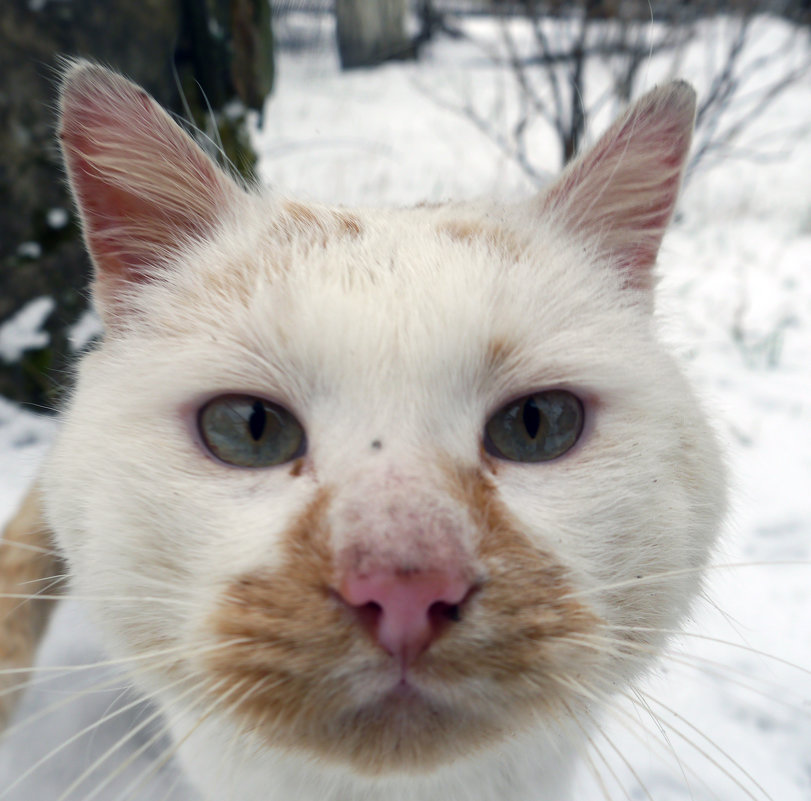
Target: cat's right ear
x,y
621,193
143,187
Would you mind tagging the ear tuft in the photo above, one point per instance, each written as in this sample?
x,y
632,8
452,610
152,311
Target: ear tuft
x,y
622,192
143,187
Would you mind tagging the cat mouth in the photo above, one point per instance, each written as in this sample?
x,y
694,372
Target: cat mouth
x,y
378,712
403,696
407,689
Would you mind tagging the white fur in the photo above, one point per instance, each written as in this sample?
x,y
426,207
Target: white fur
x,y
385,337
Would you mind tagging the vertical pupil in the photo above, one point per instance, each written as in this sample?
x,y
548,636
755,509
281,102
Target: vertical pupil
x,y
256,422
531,417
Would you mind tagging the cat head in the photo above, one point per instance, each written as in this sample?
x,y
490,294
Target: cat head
x,y
383,490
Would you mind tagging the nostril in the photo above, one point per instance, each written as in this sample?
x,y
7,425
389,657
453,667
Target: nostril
x,y
405,613
441,612
368,615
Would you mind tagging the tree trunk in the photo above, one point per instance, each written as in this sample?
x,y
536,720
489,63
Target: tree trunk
x,y
371,32
158,43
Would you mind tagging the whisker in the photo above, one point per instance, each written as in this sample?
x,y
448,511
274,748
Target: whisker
x,y
174,748
703,665
631,724
704,737
40,594
147,655
122,741
723,613
587,759
98,687
681,572
665,735
54,673
718,640
162,732
616,750
55,579
99,599
25,546
238,736
577,686
701,751
172,787
257,725
596,749
72,739
170,752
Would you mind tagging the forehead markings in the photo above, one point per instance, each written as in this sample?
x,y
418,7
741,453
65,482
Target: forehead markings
x,y
320,224
474,232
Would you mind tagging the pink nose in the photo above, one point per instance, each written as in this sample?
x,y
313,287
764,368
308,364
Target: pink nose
x,y
405,612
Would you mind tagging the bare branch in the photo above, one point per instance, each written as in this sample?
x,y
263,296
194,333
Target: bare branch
x,y
550,78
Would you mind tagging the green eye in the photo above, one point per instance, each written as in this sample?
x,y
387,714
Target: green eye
x,y
535,428
250,432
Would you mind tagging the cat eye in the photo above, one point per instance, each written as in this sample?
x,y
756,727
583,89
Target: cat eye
x,y
246,431
535,428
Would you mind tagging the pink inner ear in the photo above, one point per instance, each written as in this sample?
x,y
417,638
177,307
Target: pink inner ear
x,y
622,192
143,187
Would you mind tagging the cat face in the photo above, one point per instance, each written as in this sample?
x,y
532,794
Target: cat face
x,y
385,497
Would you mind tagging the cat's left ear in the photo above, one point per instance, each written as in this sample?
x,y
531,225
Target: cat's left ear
x,y
143,187
621,193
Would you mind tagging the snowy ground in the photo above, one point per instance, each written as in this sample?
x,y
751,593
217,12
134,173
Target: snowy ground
x,y
734,698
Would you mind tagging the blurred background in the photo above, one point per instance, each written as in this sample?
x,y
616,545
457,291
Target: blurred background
x,y
367,102
538,75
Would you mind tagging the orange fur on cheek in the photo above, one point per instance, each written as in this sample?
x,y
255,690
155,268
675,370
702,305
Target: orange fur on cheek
x,y
28,565
324,686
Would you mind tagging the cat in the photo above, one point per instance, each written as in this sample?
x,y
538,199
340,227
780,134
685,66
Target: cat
x,y
374,504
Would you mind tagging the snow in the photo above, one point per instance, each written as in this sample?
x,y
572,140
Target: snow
x,y
23,332
29,250
57,217
87,328
733,699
